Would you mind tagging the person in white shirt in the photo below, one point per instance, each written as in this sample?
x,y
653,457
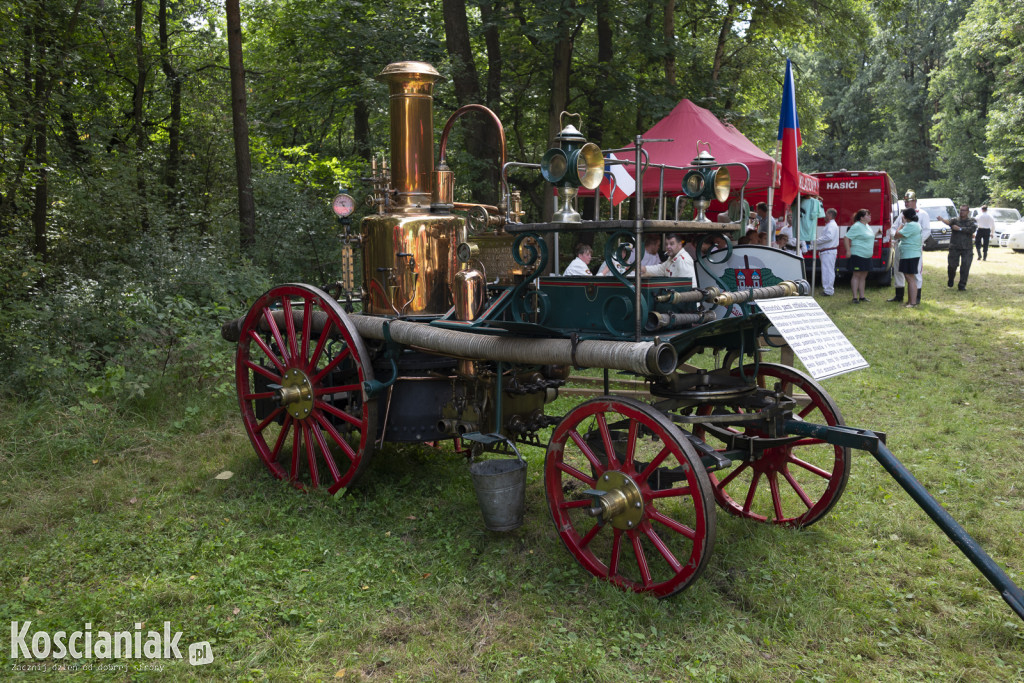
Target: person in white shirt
x,y
678,264
985,225
580,264
827,242
899,279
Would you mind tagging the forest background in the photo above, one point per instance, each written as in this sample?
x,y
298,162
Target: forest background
x,y
120,239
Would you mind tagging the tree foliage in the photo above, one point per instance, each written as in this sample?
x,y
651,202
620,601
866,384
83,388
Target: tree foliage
x,y
117,173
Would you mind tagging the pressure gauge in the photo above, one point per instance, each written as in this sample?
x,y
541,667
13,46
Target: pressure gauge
x,y
343,205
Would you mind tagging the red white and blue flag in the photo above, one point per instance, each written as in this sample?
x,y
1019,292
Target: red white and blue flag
x,y
617,183
789,137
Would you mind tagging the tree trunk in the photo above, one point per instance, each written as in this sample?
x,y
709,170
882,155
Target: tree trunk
x,y
240,126
40,199
138,101
561,63
174,125
605,53
467,89
670,44
723,36
361,130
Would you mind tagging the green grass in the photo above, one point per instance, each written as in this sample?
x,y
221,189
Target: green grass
x,y
111,515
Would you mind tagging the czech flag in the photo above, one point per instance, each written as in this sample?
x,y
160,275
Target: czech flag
x,y
789,136
624,183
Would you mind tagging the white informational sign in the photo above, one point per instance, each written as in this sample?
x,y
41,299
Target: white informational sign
x,y
814,338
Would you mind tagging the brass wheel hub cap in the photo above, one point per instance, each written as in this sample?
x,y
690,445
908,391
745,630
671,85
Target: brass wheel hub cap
x,y
617,500
296,394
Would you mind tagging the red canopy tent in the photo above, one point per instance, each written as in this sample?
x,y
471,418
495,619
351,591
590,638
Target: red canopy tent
x,y
685,126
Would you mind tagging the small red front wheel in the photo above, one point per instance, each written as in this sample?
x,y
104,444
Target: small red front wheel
x,y
795,482
656,530
300,369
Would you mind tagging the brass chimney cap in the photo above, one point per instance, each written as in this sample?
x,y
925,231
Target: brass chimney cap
x,y
422,69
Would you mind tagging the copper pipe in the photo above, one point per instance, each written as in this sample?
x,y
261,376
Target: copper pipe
x,y
462,110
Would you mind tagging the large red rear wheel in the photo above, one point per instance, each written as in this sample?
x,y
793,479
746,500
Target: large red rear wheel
x,y
299,369
796,481
660,537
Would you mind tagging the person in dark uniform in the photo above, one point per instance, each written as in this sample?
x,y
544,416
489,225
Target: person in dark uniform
x,y
961,246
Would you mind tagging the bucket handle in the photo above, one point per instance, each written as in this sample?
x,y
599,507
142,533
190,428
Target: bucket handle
x,y
488,439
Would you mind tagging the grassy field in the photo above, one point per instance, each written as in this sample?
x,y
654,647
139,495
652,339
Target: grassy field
x,y
112,515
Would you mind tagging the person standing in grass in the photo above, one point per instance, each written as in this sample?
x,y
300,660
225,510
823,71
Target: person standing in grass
x,y
961,246
909,236
860,242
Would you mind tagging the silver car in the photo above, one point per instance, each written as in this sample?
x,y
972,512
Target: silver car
x,y
1004,220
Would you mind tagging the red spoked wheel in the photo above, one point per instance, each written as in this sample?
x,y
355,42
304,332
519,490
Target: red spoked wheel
x,y
796,481
299,370
656,529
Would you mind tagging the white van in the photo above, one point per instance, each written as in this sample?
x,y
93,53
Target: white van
x,y
942,206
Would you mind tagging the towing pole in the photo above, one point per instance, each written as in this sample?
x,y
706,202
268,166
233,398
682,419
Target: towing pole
x,y
872,442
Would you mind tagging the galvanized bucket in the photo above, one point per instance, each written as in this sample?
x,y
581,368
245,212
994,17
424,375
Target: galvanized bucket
x,y
501,491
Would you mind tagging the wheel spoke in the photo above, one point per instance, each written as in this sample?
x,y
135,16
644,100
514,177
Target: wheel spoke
x,y
585,541
276,379
337,412
630,444
732,475
575,473
269,418
343,389
330,366
289,323
751,491
796,487
570,504
589,454
671,493
773,484
641,559
280,439
278,363
806,442
260,396
295,453
606,437
810,468
321,342
672,524
269,317
663,549
308,442
337,438
808,409
307,326
658,459
613,563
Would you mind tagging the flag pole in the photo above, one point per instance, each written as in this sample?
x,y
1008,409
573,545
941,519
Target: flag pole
x,y
771,186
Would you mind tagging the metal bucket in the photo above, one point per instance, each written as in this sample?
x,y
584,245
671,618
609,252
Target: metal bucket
x,y
501,491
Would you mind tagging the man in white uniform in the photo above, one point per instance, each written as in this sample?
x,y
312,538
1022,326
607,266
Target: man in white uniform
x,y
898,278
678,264
827,243
579,265
985,226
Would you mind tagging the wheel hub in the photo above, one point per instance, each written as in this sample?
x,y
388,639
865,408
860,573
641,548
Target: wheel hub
x,y
617,501
296,394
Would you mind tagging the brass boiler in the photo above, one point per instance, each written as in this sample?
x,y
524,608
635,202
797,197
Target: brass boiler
x,y
409,253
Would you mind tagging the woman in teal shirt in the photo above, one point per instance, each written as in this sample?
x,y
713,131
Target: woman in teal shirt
x,y
860,243
910,251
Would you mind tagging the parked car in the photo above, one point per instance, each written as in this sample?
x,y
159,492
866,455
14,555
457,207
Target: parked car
x,y
1004,220
942,206
1013,237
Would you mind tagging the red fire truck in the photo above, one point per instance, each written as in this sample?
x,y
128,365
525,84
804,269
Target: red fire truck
x,y
849,191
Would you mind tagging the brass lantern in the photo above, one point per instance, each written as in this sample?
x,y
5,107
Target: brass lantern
x,y
704,183
573,163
